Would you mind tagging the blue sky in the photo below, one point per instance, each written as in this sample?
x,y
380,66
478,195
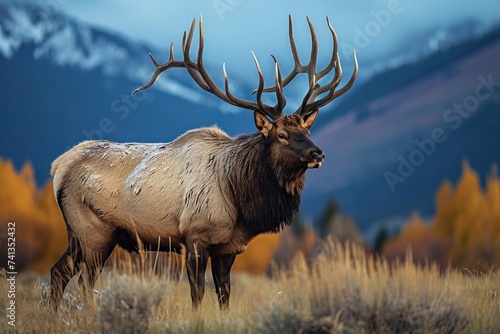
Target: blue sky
x,y
234,28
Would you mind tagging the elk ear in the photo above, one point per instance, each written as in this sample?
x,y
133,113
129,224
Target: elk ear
x,y
309,119
262,123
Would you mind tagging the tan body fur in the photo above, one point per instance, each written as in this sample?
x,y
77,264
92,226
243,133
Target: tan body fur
x,y
151,191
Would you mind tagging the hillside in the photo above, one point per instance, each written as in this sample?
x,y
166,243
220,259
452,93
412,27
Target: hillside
x,y
385,120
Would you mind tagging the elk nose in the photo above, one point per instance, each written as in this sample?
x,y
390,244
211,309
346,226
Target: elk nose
x,y
318,155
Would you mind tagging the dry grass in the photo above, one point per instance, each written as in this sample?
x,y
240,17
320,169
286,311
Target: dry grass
x,y
343,291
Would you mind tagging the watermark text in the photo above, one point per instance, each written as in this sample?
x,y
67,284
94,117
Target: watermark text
x,y
11,273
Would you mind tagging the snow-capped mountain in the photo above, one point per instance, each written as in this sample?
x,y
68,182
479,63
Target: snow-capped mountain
x,y
69,43
422,44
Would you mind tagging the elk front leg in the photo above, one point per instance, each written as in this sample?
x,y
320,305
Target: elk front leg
x,y
196,263
221,272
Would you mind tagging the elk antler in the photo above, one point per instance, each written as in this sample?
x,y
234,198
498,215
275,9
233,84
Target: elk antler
x,y
201,77
309,103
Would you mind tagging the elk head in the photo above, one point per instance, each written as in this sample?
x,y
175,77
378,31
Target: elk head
x,y
287,134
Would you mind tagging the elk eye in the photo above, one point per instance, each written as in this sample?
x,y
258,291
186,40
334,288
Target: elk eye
x,y
281,135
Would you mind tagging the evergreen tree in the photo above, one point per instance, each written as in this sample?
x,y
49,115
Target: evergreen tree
x,y
326,217
380,240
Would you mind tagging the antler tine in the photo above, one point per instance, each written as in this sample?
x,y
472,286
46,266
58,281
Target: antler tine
x,y
293,46
295,54
349,84
335,53
261,82
234,99
278,83
210,84
183,41
171,52
194,70
186,41
310,69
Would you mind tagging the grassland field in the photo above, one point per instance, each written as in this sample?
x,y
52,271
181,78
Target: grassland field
x,y
342,290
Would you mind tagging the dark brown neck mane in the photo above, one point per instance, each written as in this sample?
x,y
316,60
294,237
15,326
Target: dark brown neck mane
x,y
266,190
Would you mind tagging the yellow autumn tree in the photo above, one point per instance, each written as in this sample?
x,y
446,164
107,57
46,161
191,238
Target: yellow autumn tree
x,y
258,255
493,200
17,190
424,242
466,228
445,209
54,227
40,233
411,235
474,221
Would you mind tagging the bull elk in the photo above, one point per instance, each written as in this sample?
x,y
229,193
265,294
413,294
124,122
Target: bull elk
x,y
205,193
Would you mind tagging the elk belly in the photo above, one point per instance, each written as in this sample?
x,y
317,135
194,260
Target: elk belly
x,y
206,216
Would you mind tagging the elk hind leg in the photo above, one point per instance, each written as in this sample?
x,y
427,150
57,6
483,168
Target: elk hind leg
x,y
92,266
64,269
100,241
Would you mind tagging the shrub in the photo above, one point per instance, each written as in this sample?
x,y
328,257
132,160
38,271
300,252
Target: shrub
x,y
127,304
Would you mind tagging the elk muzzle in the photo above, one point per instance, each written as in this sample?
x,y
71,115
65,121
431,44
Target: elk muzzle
x,y
316,158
